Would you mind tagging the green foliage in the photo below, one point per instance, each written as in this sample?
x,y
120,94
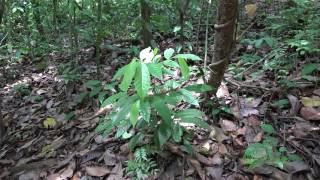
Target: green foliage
x,y
267,152
21,89
145,103
68,73
142,166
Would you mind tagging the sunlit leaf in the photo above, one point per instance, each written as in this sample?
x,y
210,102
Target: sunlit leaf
x,y
49,123
168,53
128,76
155,70
134,113
251,9
142,80
188,57
184,68
188,97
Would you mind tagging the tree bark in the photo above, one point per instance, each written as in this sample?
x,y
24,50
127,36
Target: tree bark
x,y
36,17
146,33
2,9
224,40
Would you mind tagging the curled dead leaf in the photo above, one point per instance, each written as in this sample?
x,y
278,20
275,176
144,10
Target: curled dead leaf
x,y
251,9
310,114
97,171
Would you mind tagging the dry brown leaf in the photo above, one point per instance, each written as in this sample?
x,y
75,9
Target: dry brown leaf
x,y
97,171
116,173
197,166
228,126
251,9
310,114
223,91
295,105
214,173
258,137
316,92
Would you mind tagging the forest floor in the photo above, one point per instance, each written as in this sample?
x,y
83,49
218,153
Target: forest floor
x,y
43,143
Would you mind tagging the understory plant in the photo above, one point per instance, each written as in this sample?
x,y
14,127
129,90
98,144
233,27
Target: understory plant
x,y
149,90
268,152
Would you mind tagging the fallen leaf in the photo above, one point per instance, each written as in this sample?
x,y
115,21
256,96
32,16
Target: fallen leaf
x,y
116,173
49,123
258,137
316,92
97,171
310,102
310,113
228,126
214,173
251,9
223,91
248,106
197,166
295,105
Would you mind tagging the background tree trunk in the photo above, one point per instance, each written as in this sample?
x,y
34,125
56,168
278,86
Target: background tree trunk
x,y
224,40
2,9
36,17
146,33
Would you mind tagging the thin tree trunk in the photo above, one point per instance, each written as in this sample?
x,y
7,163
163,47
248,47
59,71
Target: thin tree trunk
x,y
182,9
55,13
98,36
146,33
224,40
2,9
37,18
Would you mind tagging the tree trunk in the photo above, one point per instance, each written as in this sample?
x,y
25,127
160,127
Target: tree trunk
x,y
98,37
55,13
2,9
37,18
146,33
182,9
224,40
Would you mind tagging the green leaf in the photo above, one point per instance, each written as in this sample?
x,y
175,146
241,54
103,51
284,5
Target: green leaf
x,y
113,98
142,81
155,70
92,83
134,113
269,41
163,110
258,43
184,68
101,96
128,76
124,108
135,140
120,72
196,121
268,128
95,91
163,133
145,110
173,98
189,113
79,98
199,88
188,97
177,133
170,63
188,56
308,69
168,53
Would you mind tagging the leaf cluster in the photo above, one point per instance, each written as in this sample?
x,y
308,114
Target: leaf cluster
x,y
268,151
148,92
